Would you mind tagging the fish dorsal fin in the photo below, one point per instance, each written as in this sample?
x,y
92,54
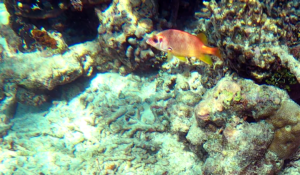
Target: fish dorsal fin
x,y
202,37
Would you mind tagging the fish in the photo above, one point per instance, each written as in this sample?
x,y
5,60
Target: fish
x,y
182,44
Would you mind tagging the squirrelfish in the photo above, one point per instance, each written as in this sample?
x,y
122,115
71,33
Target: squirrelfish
x,y
183,44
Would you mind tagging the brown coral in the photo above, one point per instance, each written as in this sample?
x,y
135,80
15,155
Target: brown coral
x,y
44,39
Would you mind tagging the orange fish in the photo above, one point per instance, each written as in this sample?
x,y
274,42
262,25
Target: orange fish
x,y
182,44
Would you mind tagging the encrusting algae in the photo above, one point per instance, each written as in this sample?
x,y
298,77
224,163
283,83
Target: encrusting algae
x,y
183,44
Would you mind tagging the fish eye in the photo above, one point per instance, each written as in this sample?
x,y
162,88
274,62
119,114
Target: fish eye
x,y
157,39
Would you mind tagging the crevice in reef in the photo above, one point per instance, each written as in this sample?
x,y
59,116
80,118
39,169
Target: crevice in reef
x,y
75,26
180,11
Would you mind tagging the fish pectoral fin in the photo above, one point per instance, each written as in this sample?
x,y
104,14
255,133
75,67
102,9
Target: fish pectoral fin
x,y
206,59
169,56
202,37
181,58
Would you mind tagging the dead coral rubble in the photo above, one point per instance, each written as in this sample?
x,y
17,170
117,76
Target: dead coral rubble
x,y
254,128
90,134
123,112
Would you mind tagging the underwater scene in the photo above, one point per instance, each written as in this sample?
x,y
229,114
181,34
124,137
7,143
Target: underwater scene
x,y
149,87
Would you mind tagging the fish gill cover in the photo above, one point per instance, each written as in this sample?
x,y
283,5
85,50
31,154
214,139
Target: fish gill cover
x,y
81,91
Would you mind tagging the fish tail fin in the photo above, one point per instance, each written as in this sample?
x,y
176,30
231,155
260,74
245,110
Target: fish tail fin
x,y
212,51
218,53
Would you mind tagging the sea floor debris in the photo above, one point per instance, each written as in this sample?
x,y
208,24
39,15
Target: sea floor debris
x,y
100,136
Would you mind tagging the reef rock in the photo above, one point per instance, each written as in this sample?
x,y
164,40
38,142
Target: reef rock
x,y
245,128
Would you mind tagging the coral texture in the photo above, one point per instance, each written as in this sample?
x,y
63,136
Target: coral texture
x,y
247,126
97,132
122,29
255,36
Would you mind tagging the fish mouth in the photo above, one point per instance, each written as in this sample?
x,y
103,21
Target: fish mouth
x,y
147,41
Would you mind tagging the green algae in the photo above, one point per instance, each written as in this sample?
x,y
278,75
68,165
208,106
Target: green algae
x,y
282,78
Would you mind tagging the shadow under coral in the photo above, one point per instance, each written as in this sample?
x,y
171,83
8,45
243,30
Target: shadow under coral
x,y
75,26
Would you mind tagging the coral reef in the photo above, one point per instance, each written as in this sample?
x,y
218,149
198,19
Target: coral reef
x,y
129,124
37,72
255,37
251,128
120,46
186,118
183,85
123,112
123,24
90,134
122,29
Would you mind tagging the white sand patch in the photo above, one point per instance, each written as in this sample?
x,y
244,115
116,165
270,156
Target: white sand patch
x,y
129,83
